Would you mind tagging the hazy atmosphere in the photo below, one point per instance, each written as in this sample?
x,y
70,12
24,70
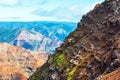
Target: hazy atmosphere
x,y
59,39
50,10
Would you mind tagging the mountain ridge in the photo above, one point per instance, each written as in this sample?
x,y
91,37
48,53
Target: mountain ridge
x,y
55,32
91,52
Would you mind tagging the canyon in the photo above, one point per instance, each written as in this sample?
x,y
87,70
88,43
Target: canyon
x,y
25,46
91,52
18,63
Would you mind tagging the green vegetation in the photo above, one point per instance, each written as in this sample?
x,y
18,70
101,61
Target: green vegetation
x,y
14,79
8,59
70,75
108,2
36,76
59,59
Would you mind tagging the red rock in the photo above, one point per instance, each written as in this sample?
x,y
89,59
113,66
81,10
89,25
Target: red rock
x,y
15,62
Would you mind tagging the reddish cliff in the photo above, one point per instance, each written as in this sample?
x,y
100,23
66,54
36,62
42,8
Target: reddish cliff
x,y
18,63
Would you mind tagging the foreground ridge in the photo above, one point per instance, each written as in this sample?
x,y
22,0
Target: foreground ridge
x,y
91,52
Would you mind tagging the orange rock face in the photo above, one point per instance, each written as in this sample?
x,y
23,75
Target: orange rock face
x,y
11,72
18,63
115,75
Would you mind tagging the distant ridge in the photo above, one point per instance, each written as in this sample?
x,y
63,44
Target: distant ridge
x,y
54,32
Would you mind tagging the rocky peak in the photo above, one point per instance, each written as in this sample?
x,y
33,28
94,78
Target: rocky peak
x,y
91,52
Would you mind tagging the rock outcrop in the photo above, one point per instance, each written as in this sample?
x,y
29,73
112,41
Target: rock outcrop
x,y
17,63
91,52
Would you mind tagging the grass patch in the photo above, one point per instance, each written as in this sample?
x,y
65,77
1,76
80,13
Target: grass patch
x,y
70,75
59,59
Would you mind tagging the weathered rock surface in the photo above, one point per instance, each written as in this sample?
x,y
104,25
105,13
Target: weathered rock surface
x,y
91,52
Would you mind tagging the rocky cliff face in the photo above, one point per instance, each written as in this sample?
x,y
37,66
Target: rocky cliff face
x,y
91,52
17,63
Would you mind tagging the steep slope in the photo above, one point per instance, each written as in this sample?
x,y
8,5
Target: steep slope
x,y
91,52
18,63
